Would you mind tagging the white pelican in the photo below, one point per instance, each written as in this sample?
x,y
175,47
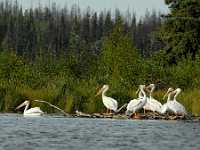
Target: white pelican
x,y
152,104
134,101
36,111
165,108
136,104
178,108
172,104
109,102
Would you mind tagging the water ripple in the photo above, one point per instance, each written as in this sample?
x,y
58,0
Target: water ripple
x,y
55,133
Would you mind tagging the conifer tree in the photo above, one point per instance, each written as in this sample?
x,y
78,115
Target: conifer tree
x,y
181,31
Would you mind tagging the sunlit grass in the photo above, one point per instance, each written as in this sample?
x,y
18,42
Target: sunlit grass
x,y
82,98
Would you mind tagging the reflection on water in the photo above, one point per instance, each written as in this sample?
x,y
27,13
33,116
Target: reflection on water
x,y
56,133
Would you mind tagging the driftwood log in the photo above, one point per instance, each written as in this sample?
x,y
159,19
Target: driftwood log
x,y
147,116
117,115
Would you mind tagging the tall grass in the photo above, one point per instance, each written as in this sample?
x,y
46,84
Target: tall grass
x,y
58,85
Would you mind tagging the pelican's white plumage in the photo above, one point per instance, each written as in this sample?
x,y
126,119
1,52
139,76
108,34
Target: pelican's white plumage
x,y
173,105
109,102
147,106
155,103
166,107
152,104
136,104
36,111
177,107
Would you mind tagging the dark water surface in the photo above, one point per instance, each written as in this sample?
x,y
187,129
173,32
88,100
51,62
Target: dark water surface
x,y
59,133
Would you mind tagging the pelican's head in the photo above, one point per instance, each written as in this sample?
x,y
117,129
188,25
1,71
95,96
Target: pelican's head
x,y
177,91
141,86
168,91
105,87
23,104
151,87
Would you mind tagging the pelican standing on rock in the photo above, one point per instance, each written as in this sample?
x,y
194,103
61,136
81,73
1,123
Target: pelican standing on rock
x,y
36,111
172,104
178,108
110,103
152,104
137,104
166,107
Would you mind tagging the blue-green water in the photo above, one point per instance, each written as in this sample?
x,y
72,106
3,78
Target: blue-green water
x,y
59,133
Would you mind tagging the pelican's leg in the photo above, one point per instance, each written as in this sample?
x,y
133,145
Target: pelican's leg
x,y
177,116
108,112
144,111
134,115
167,114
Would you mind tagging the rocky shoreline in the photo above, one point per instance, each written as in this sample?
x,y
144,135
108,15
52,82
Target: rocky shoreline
x,y
147,116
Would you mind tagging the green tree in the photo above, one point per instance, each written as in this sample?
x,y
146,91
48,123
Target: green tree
x,y
94,27
80,58
85,27
108,23
100,29
181,31
119,58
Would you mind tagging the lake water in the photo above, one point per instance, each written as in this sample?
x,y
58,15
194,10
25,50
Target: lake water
x,y
59,133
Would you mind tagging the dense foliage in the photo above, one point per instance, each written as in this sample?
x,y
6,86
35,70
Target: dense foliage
x,y
64,56
181,32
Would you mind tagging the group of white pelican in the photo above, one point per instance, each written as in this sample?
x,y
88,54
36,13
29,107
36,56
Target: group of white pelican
x,y
146,103
142,102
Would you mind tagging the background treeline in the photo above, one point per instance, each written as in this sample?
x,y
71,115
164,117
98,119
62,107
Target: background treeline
x,y
64,55
52,31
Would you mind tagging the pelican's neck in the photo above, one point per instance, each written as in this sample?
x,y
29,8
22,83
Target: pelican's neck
x,y
150,94
140,94
104,91
144,94
26,108
152,90
170,96
177,92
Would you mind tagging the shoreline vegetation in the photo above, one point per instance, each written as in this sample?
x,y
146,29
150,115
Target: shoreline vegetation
x,y
64,56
